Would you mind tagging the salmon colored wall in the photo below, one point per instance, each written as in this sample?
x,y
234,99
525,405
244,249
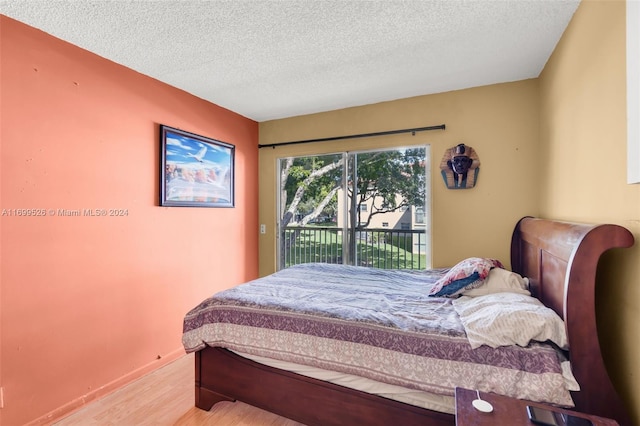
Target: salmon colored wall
x,y
583,134
88,303
500,122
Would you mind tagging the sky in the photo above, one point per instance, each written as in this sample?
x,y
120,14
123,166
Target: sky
x,y
185,151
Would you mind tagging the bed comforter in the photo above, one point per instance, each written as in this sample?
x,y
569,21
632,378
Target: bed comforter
x,y
373,323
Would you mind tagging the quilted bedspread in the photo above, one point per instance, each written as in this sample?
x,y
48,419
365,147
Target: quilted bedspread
x,y
373,323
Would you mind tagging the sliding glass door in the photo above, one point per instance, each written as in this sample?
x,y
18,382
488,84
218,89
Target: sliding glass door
x,y
358,208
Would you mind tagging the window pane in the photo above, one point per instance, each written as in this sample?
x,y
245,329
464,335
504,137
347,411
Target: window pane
x,y
364,208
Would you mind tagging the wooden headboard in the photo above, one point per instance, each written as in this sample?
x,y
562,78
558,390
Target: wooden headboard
x,y
561,259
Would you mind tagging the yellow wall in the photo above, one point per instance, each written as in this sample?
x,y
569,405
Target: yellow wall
x,y
500,122
583,165
553,146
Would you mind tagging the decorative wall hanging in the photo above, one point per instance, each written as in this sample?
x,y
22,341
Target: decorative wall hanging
x,y
460,167
195,171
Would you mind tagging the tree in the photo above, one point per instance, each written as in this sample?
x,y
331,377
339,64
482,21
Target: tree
x,y
309,182
385,180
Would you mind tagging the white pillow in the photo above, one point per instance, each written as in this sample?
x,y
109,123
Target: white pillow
x,y
500,280
503,319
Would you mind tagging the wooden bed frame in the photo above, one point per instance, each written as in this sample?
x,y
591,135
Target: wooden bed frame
x,y
560,260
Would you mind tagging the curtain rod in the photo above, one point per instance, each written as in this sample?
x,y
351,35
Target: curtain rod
x,y
362,135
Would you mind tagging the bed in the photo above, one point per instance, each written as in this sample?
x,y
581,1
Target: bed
x,y
559,261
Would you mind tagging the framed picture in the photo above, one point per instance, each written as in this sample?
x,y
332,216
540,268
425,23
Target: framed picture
x,y
195,171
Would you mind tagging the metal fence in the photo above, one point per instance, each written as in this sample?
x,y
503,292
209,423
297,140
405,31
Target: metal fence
x,y
377,248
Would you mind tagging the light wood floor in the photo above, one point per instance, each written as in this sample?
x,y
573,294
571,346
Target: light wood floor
x,y
166,397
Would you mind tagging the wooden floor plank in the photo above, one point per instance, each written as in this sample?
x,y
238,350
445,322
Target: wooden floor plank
x,y
166,397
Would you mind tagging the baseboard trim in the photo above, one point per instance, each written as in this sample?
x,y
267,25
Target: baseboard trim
x,y
105,390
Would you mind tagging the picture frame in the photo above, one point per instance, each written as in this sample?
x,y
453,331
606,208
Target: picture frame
x,y
195,171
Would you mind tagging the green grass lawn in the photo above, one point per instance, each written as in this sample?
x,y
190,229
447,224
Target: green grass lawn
x,y
322,245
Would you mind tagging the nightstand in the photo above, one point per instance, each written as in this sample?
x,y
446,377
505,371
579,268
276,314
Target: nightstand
x,y
506,411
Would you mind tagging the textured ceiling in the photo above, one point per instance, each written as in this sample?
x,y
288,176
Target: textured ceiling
x,y
272,59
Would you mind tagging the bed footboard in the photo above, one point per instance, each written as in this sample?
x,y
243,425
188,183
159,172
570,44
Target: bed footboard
x,y
222,375
205,399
